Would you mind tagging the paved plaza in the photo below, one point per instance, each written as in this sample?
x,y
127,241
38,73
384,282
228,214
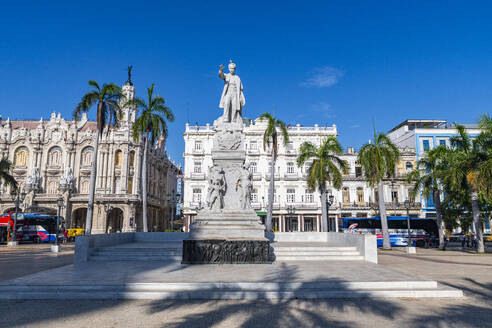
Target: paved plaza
x,y
455,269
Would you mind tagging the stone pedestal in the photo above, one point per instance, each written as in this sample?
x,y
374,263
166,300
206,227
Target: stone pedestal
x,y
12,243
227,230
220,251
56,248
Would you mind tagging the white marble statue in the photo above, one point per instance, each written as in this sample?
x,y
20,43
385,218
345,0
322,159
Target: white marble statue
x,y
244,186
34,178
67,177
232,99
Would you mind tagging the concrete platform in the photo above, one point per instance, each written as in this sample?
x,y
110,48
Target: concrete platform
x,y
172,280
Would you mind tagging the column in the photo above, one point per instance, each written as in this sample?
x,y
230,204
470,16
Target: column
x,y
124,171
336,223
318,222
299,222
281,223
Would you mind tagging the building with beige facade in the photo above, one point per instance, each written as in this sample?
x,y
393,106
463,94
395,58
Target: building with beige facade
x,y
53,159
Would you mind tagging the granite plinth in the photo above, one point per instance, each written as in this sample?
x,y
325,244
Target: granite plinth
x,y
221,251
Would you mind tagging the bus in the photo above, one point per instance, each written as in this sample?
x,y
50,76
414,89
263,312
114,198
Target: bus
x,y
420,229
31,227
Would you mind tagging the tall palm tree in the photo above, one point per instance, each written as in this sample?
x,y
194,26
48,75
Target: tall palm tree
x,y
469,168
326,167
271,136
378,161
5,166
427,177
150,125
108,113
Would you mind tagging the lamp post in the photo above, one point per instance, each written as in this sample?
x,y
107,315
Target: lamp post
x,y
171,199
107,208
329,202
17,197
410,249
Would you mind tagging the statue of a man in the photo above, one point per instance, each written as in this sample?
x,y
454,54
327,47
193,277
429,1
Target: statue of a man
x,y
232,99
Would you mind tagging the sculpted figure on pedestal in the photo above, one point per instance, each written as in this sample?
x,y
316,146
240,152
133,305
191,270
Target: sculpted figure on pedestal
x,y
244,186
232,99
216,188
34,178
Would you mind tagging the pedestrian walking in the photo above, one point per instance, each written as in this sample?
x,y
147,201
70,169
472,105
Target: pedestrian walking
x,y
65,236
467,240
462,239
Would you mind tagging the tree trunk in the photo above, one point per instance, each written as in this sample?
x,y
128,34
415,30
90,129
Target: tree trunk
x,y
144,185
436,195
477,222
271,191
324,216
92,187
382,213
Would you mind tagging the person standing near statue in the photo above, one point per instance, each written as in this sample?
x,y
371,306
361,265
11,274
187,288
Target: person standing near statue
x,y
232,99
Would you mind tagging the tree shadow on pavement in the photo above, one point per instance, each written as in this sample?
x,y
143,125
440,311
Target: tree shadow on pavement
x,y
282,311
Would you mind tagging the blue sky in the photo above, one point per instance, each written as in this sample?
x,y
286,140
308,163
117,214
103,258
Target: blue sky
x,y
345,62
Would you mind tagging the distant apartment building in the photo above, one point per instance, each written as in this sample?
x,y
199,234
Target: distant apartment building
x,y
423,135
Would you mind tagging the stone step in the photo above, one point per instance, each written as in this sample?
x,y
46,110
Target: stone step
x,y
140,250
280,258
307,290
314,253
312,248
112,258
136,254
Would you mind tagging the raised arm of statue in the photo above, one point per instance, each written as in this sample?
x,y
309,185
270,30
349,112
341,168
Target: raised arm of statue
x,y
221,72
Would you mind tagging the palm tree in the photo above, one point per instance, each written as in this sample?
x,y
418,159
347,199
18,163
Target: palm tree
x,y
271,136
378,160
326,166
5,166
108,113
150,125
426,178
469,168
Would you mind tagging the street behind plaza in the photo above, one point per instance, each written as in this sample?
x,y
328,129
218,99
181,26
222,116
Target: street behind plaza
x,y
454,268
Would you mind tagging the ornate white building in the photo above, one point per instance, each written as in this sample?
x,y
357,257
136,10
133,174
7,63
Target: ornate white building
x,y
296,208
53,158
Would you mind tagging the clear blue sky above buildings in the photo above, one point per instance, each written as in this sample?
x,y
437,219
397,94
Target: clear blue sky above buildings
x,y
309,62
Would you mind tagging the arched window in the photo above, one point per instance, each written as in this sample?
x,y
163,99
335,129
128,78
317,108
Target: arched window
x,y
118,159
84,186
55,156
86,156
346,195
21,157
52,187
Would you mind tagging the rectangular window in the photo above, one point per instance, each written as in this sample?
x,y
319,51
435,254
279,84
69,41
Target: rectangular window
x,y
197,195
308,196
426,145
291,195
198,145
309,223
253,145
197,168
290,168
358,171
253,167
394,196
442,143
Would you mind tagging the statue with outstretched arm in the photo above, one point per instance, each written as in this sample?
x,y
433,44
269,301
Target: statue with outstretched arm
x,y
232,99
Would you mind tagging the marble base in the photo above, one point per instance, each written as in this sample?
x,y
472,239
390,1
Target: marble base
x,y
12,243
220,251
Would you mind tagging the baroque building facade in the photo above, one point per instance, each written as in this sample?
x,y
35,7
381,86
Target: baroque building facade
x,y
296,207
53,159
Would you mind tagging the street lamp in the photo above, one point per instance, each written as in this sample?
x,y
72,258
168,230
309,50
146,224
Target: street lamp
x,y
407,206
171,199
17,197
107,208
59,202
329,202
